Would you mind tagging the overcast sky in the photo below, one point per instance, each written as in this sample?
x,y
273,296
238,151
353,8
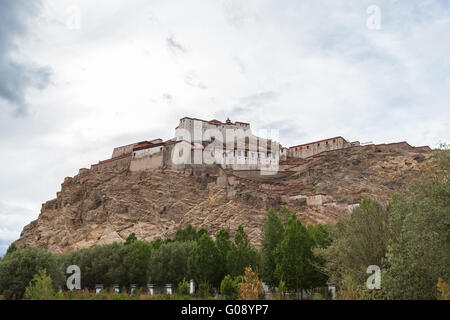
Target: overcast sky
x,y
78,78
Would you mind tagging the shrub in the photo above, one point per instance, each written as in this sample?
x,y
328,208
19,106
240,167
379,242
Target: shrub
x,y
229,288
183,287
40,287
251,287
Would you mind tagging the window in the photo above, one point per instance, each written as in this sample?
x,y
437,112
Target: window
x,y
307,147
334,140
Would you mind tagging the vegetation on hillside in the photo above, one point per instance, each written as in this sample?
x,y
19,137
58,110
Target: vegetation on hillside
x,y
408,239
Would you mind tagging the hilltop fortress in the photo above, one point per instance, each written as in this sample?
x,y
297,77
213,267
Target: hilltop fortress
x,y
200,144
215,175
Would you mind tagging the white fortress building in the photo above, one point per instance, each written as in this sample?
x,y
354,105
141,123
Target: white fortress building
x,y
201,144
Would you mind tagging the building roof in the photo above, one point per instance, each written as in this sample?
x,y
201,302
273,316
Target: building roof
x,y
216,122
310,143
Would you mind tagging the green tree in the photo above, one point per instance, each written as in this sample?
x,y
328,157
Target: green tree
x,y
201,232
18,268
204,261
183,287
101,264
293,255
272,234
418,253
241,254
135,260
187,234
40,287
358,242
322,240
169,263
229,287
131,238
281,292
250,288
12,248
223,245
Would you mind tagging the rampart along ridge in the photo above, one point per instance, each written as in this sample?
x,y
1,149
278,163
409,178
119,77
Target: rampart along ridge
x,y
241,165
247,152
143,189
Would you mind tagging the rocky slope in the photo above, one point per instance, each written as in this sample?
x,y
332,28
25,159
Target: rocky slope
x,y
96,208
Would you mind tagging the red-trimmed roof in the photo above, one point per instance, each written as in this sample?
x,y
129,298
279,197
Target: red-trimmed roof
x,y
214,121
148,146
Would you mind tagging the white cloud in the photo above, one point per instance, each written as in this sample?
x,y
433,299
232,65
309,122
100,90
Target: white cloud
x,y
310,69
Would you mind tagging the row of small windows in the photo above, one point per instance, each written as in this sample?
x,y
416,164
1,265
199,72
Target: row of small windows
x,y
307,147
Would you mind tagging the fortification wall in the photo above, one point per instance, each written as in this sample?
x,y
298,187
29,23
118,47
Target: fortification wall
x,y
123,150
310,149
121,161
394,146
154,161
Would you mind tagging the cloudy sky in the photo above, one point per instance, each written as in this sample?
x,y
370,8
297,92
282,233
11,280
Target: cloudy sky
x,y
80,77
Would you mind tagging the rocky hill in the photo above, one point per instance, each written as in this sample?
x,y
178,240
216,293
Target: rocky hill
x,y
100,207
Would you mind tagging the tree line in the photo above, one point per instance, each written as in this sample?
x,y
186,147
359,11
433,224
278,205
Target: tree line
x,y
408,239
191,254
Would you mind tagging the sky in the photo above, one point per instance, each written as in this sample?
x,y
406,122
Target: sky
x,y
79,77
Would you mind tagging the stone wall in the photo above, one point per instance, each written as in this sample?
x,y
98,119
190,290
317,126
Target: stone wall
x,y
153,161
313,148
123,150
121,161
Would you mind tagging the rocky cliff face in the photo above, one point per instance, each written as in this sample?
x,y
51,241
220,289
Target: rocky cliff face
x,y
96,208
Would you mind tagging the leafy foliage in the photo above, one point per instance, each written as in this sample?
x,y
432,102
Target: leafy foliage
x,y
229,287
418,253
18,268
241,254
188,234
224,246
272,234
131,238
183,287
251,287
40,287
293,256
358,242
204,261
169,263
12,248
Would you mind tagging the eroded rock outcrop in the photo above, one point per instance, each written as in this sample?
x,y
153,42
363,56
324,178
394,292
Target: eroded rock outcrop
x,y
99,207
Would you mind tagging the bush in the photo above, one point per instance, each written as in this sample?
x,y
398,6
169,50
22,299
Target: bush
x,y
183,287
204,290
40,288
251,287
229,288
281,293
